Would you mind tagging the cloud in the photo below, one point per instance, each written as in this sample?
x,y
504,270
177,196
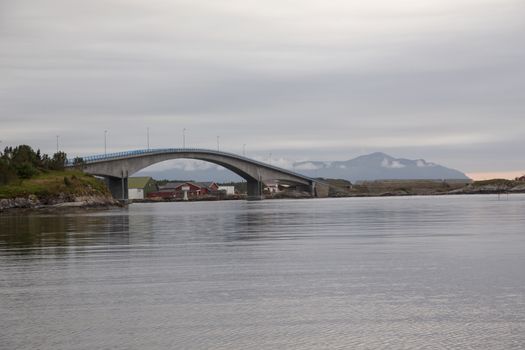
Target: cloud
x,y
391,164
423,164
307,166
301,79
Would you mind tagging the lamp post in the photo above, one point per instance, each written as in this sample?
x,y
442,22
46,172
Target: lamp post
x,y
218,148
57,142
184,138
105,142
148,137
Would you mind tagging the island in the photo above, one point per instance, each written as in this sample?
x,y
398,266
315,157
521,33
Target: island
x,y
29,179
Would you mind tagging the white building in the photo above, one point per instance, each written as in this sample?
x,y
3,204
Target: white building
x,y
272,188
230,190
139,187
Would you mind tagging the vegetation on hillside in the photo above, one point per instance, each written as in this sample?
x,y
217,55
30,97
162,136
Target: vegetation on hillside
x,y
24,172
55,183
166,181
343,188
496,182
22,162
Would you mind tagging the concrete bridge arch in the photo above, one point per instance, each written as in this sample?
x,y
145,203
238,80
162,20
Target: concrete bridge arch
x,y
117,167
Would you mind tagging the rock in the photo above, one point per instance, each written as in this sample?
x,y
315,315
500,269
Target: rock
x,y
6,204
70,204
62,200
33,200
519,188
22,203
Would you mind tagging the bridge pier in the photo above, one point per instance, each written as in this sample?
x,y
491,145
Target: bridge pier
x,y
321,190
254,190
118,186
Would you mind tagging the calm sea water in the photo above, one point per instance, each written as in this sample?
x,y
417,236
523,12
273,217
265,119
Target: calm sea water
x,y
363,273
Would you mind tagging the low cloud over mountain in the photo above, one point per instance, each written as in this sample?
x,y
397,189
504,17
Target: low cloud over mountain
x,y
378,166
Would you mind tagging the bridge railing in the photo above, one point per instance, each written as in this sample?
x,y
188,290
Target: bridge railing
x,y
125,154
117,155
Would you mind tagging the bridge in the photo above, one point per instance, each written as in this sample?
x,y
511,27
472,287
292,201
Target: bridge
x,y
115,168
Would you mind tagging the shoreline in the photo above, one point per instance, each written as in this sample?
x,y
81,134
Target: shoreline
x,y
32,203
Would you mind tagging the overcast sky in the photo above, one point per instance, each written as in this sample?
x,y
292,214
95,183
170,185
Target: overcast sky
x,y
441,80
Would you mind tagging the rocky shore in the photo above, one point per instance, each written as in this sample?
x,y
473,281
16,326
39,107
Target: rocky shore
x,y
56,189
491,189
61,201
342,188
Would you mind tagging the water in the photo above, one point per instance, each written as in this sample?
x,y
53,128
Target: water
x,y
363,273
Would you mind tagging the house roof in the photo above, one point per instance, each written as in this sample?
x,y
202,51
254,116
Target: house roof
x,y
171,185
138,182
204,184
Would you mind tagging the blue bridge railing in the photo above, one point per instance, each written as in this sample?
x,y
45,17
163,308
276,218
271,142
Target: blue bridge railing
x,y
116,155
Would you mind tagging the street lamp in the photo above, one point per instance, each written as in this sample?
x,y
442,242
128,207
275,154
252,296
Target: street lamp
x,y
184,138
218,148
105,142
148,137
57,142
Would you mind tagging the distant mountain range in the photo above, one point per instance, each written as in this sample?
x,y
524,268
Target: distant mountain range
x,y
378,166
375,166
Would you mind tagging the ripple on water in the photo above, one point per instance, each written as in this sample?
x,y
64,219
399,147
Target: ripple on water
x,y
366,273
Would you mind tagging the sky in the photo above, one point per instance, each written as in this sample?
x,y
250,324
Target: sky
x,y
441,80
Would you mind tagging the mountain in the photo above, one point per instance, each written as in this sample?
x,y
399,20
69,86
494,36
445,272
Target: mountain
x,y
378,166
375,166
208,174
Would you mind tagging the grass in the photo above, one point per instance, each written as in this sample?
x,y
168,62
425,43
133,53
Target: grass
x,y
496,182
53,183
391,187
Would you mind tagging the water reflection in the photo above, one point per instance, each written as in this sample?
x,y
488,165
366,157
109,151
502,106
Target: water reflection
x,y
366,273
22,234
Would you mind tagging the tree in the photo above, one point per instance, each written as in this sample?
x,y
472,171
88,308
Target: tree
x,y
78,162
24,154
58,162
7,174
25,170
23,162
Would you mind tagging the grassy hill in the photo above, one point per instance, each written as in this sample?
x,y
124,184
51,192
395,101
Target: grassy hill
x,y
49,184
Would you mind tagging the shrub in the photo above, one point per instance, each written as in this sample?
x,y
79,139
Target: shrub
x,y
26,171
78,162
24,154
7,174
58,161
23,162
